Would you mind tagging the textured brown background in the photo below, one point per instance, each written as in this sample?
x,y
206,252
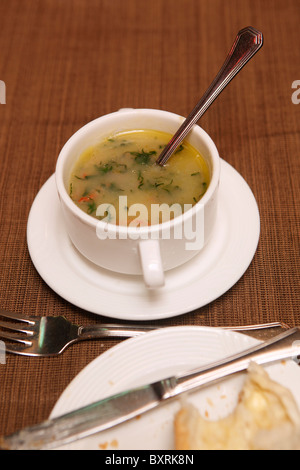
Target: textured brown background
x,y
67,62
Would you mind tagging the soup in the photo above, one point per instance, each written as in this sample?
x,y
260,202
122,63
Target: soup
x,y
118,181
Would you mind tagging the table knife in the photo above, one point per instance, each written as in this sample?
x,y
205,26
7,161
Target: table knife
x,y
117,409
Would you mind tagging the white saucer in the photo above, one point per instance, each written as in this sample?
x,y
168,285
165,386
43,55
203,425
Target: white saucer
x,y
203,279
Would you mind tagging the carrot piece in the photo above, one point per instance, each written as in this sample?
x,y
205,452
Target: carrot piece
x,y
84,199
90,197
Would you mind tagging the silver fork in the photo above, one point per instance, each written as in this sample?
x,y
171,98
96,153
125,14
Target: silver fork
x,y
49,336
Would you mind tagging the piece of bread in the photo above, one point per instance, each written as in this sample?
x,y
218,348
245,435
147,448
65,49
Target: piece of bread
x,y
265,418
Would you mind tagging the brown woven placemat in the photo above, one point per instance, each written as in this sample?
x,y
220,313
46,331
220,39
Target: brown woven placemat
x,y
66,63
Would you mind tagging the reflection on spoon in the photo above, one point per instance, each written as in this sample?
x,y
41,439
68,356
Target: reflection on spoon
x,y
246,44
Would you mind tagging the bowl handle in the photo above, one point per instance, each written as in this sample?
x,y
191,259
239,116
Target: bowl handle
x,y
151,263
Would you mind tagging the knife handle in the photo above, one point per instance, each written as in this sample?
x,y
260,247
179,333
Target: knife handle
x,y
283,346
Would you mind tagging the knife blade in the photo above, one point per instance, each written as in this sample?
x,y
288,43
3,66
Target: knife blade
x,y
117,409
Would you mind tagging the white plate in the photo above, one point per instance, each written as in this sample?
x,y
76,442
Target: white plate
x,y
151,357
203,279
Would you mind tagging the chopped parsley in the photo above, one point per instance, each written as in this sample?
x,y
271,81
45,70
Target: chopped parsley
x,y
143,158
91,207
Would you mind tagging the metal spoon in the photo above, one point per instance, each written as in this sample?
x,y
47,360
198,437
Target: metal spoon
x,y
246,44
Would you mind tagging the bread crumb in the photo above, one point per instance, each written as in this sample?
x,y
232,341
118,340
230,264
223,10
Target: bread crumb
x,y
103,446
210,402
114,443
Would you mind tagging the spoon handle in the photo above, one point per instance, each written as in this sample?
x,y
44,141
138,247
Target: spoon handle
x,y
246,44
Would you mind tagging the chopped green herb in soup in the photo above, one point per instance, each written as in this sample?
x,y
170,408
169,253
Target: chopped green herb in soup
x,y
110,179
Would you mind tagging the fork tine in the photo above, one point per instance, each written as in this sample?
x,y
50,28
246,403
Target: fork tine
x,y
15,337
16,348
16,316
16,327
